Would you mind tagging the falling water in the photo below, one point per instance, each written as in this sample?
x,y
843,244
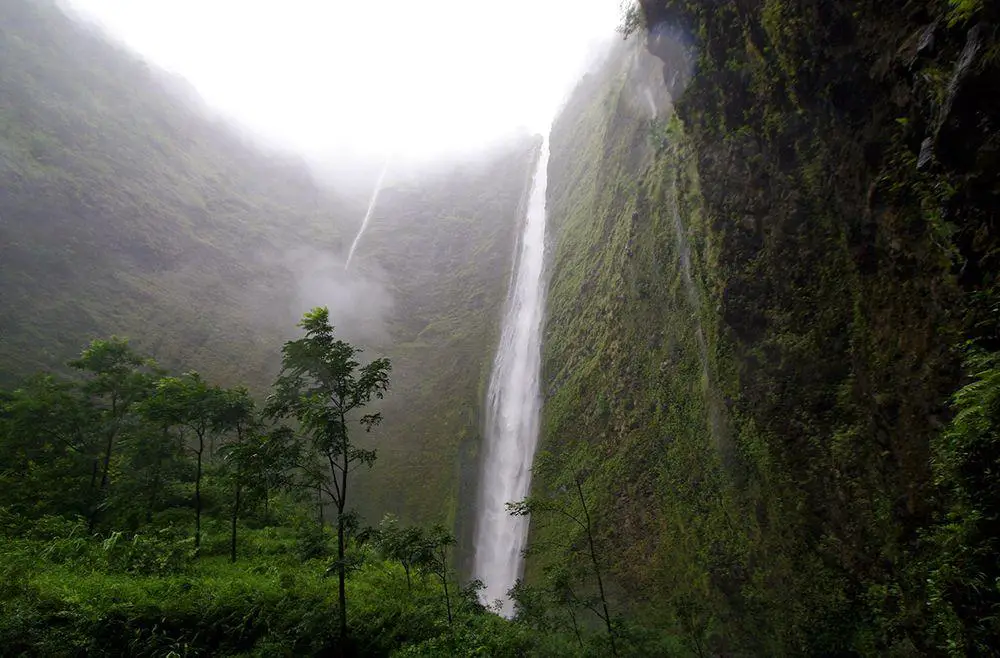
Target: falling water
x,y
648,93
513,403
368,214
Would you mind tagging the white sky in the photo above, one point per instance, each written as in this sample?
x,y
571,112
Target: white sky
x,y
415,77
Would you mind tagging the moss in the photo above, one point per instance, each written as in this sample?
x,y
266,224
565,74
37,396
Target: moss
x,y
760,447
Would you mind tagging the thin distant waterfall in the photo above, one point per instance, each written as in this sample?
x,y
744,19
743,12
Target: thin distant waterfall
x,y
512,409
368,214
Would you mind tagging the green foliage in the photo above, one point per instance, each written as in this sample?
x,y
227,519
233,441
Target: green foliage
x,y
755,306
961,571
962,11
322,387
141,584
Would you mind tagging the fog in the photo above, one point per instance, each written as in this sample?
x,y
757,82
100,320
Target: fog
x,y
355,81
359,304
429,88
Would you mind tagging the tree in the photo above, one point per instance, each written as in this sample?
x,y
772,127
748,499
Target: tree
x,y
439,541
190,402
119,378
409,545
47,445
533,604
237,413
153,457
323,386
257,463
564,503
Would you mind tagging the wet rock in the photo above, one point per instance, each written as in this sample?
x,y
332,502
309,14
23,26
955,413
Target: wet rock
x,y
926,154
973,44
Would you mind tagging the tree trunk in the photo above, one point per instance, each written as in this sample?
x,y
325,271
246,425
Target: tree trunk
x,y
409,585
105,467
576,628
151,503
197,498
342,578
94,497
267,500
155,489
341,539
444,581
597,570
93,475
232,536
447,600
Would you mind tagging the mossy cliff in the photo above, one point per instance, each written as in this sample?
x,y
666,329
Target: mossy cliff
x,y
760,303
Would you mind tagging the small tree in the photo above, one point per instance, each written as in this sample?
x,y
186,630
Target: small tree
x,y
48,442
118,379
324,387
190,402
439,541
257,462
535,605
571,503
409,546
152,457
236,414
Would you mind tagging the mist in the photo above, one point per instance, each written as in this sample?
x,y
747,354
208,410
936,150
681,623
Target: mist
x,y
339,81
359,303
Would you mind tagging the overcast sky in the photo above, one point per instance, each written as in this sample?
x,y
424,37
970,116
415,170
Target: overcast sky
x,y
371,76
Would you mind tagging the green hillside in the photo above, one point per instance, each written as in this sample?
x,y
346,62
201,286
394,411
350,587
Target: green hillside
x,y
124,206
758,318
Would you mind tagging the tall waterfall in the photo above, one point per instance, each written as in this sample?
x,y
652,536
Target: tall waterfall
x,y
512,409
368,213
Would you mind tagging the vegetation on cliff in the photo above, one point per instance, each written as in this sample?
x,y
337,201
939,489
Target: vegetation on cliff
x,y
760,310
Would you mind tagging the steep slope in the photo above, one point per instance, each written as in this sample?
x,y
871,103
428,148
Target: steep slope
x,y
124,207
756,317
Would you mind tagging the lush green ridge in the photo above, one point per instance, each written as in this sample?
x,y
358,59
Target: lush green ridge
x,y
783,484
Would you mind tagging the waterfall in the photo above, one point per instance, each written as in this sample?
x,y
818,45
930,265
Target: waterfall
x,y
368,214
648,93
512,409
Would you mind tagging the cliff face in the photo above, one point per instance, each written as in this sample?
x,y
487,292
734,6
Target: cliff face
x,y
758,317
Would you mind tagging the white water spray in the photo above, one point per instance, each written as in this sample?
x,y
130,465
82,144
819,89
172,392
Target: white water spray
x,y
368,214
513,405
648,93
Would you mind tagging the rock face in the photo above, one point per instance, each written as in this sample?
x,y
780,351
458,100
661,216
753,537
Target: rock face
x,y
776,486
